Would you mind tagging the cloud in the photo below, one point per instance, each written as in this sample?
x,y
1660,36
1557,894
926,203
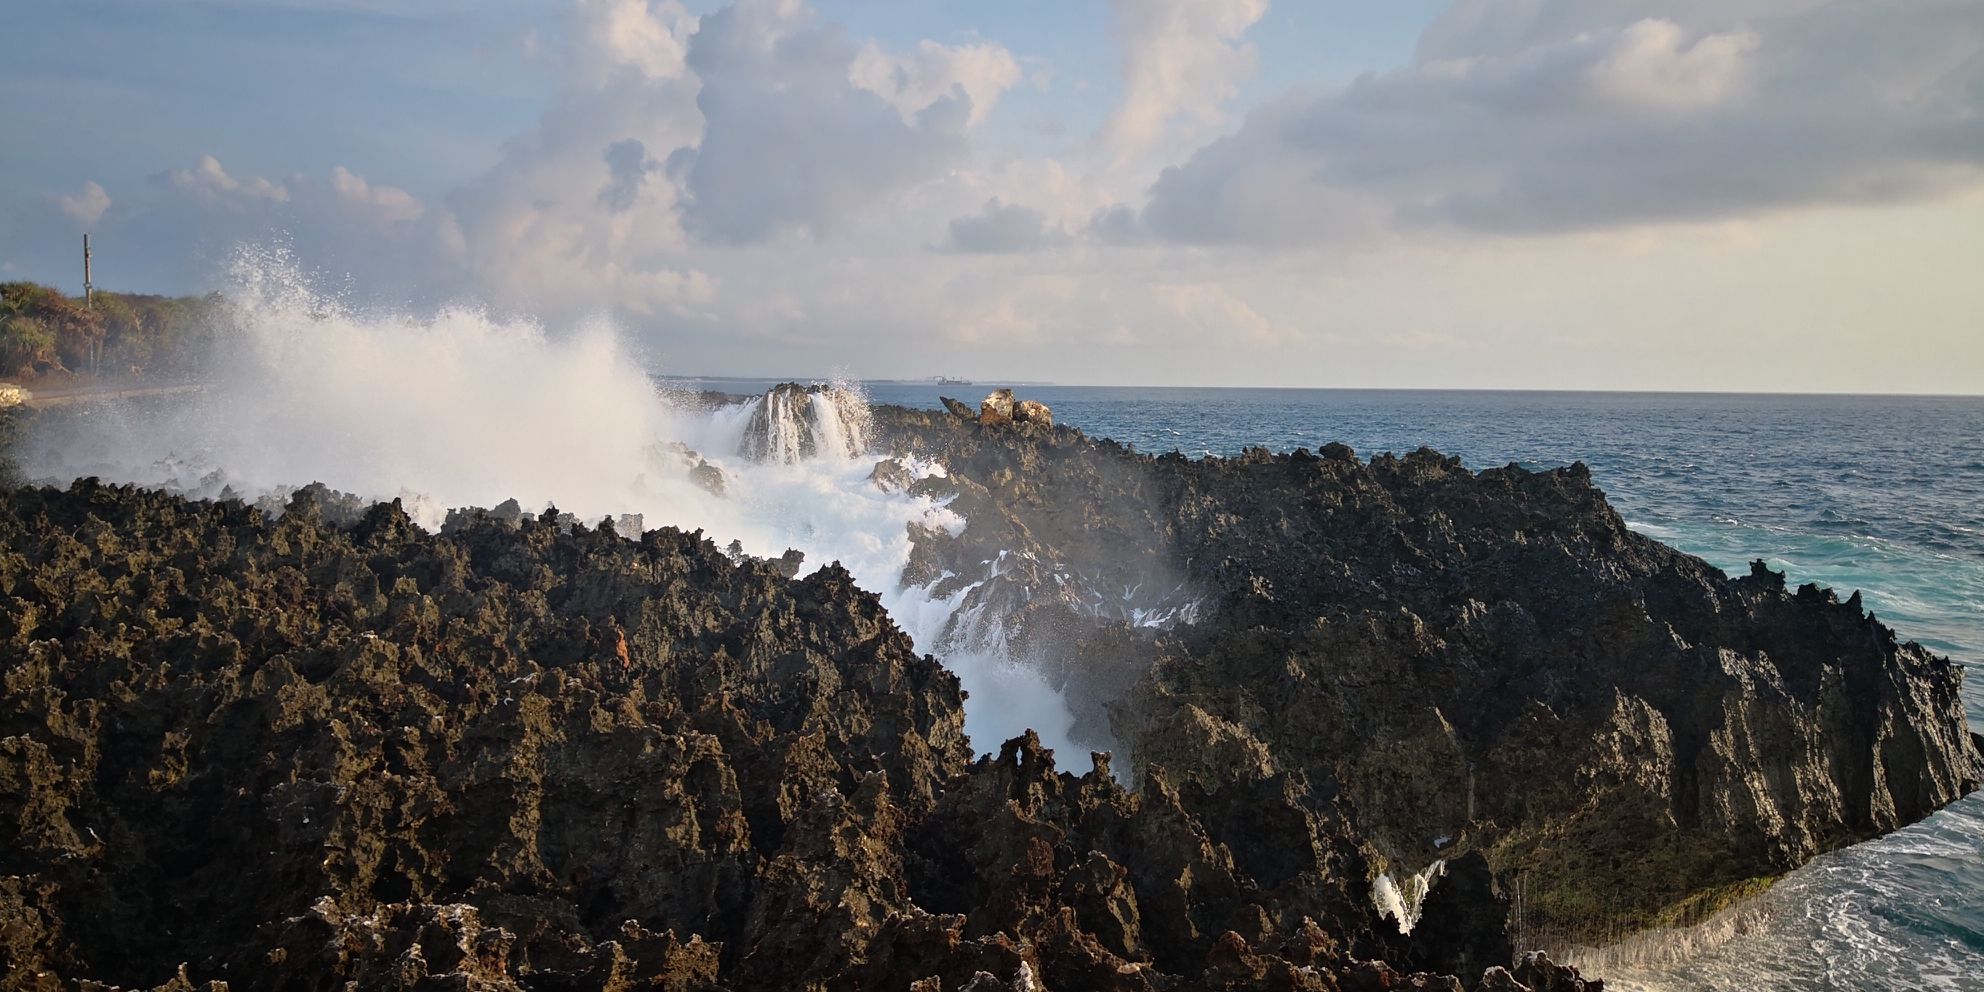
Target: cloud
x,y
628,162
668,135
1548,115
211,184
933,71
367,241
1003,227
1651,65
756,192
1182,61
1116,224
643,37
790,144
85,206
1005,307
384,204
1215,315
578,212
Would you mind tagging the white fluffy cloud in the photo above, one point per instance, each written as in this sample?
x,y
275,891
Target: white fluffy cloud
x,y
648,37
753,124
84,206
790,144
913,81
1546,115
384,204
212,184
1182,61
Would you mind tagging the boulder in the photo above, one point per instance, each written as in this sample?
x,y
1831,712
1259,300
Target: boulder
x,y
707,476
1032,412
997,408
891,476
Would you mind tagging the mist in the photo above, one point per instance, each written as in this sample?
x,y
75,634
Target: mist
x,y
461,409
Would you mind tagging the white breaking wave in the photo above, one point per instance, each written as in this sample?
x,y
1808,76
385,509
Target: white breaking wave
x,y
462,409
1888,915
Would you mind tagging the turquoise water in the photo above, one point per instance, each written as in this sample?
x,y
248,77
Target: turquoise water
x,y
1880,494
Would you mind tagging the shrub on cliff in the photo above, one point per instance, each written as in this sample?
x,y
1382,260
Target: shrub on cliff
x,y
41,330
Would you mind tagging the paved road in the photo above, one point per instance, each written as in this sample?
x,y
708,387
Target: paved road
x,y
43,397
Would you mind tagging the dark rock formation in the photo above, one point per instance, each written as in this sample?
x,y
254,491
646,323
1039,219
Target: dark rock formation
x,y
292,755
317,753
1453,662
525,754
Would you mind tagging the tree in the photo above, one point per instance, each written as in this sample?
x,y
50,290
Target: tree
x,y
123,333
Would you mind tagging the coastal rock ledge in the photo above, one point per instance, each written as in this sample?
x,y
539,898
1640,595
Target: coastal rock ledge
x,y
523,754
1450,661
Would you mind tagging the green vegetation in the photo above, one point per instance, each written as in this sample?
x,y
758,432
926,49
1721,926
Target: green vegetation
x,y
44,333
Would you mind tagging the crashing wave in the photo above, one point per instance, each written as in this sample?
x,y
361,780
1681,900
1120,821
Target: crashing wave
x,y
791,423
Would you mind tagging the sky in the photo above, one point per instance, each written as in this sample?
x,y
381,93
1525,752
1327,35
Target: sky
x,y
1748,195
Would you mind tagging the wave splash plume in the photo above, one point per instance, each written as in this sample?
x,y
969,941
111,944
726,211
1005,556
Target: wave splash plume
x,y
463,409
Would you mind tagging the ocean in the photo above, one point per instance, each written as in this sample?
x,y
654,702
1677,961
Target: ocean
x,y
1876,493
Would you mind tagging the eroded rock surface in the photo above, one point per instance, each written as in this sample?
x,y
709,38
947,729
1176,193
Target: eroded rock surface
x,y
1452,661
528,755
332,751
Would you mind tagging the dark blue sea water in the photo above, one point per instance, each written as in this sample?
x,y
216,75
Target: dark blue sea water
x,y
1880,494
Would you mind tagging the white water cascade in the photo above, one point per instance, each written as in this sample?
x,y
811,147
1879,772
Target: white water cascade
x,y
1402,900
791,423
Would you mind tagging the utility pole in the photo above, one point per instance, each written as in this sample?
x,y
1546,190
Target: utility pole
x,y
89,297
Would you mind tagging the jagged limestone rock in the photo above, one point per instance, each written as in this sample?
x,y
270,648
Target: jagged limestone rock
x,y
528,754
1460,661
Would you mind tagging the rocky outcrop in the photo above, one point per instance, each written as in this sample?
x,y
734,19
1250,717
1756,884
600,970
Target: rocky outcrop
x,y
525,754
290,754
1002,407
1451,661
997,407
330,750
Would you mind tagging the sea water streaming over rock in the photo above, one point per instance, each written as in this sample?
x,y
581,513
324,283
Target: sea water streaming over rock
x,y
534,752
792,423
1403,900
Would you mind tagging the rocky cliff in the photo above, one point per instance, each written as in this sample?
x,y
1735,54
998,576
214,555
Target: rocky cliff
x,y
328,750
287,754
1452,662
